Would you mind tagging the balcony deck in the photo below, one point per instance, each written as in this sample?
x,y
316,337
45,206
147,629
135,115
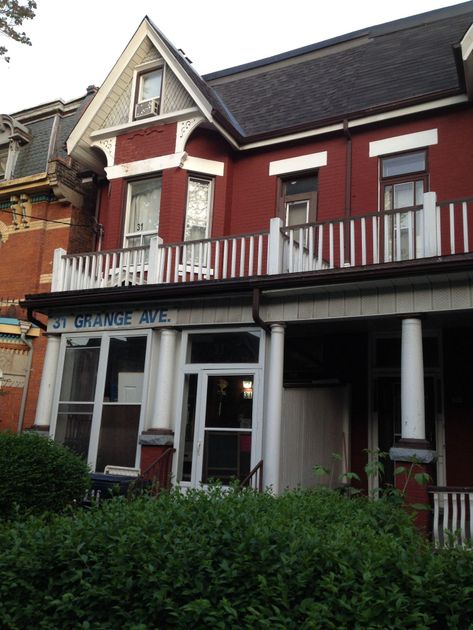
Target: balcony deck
x,y
434,229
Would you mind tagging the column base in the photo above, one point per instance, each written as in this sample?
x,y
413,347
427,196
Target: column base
x,y
154,443
415,493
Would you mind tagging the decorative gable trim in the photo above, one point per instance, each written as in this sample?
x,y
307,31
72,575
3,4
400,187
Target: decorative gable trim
x,y
145,30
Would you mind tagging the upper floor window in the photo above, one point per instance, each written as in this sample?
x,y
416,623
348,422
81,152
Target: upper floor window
x,y
3,162
199,209
148,93
403,183
298,199
142,214
403,180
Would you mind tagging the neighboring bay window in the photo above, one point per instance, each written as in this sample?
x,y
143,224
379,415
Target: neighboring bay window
x,y
142,216
100,399
403,183
3,162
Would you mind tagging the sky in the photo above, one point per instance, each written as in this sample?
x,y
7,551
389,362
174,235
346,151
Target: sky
x,y
75,43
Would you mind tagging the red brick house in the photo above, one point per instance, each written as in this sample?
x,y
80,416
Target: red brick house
x,y
41,196
285,267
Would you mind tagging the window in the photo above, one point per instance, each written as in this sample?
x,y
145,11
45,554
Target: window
x,y
198,211
142,216
3,162
403,183
298,199
148,93
100,399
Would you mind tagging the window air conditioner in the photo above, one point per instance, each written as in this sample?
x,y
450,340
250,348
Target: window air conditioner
x,y
147,108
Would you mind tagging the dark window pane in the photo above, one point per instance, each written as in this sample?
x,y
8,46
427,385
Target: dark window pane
x,y
230,402
73,428
227,456
80,369
388,353
118,436
235,347
190,397
125,371
405,163
298,185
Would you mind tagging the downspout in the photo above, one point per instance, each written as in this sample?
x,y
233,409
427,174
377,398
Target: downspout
x,y
24,394
348,164
36,322
255,312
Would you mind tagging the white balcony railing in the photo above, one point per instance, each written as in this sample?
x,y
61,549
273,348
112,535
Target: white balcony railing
x,y
430,230
452,523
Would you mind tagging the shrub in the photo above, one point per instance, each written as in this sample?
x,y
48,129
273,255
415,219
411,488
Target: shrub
x,y
38,475
209,560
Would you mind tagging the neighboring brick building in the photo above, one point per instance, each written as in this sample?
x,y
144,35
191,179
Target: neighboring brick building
x,y
276,237
41,196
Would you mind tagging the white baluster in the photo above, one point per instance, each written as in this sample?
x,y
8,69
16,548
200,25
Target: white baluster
x,y
465,227
242,256
311,265
251,255
233,272
375,240
320,247
451,207
330,245
225,259
217,260
352,243
291,251
260,255
199,269
341,237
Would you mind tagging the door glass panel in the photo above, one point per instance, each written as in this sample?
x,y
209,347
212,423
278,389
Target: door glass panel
x,y
123,392
125,370
404,195
79,378
190,397
73,427
297,212
228,423
80,369
118,436
236,347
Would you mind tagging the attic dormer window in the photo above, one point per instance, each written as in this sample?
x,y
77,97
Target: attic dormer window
x,y
148,93
3,162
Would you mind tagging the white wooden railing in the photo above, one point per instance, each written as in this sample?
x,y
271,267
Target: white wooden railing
x,y
430,230
213,258
452,516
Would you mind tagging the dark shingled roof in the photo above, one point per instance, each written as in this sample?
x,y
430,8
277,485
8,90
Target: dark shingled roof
x,y
406,61
33,157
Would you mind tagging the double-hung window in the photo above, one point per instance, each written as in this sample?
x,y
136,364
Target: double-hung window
x,y
403,183
298,199
198,216
148,93
142,215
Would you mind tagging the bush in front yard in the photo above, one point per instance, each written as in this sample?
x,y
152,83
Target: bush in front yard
x,y
303,560
38,475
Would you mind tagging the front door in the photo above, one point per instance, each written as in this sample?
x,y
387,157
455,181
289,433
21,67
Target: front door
x,y
221,420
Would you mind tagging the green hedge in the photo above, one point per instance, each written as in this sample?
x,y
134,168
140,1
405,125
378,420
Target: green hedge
x,y
38,475
304,560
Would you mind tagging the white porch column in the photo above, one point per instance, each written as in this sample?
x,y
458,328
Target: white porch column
x,y
161,417
48,379
272,432
412,381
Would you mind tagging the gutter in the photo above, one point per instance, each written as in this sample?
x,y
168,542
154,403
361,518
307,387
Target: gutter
x,y
255,312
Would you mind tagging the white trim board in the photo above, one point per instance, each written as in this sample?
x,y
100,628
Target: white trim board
x,y
405,142
299,163
161,163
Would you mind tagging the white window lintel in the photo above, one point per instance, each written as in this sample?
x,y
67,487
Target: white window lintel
x,y
299,163
406,142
